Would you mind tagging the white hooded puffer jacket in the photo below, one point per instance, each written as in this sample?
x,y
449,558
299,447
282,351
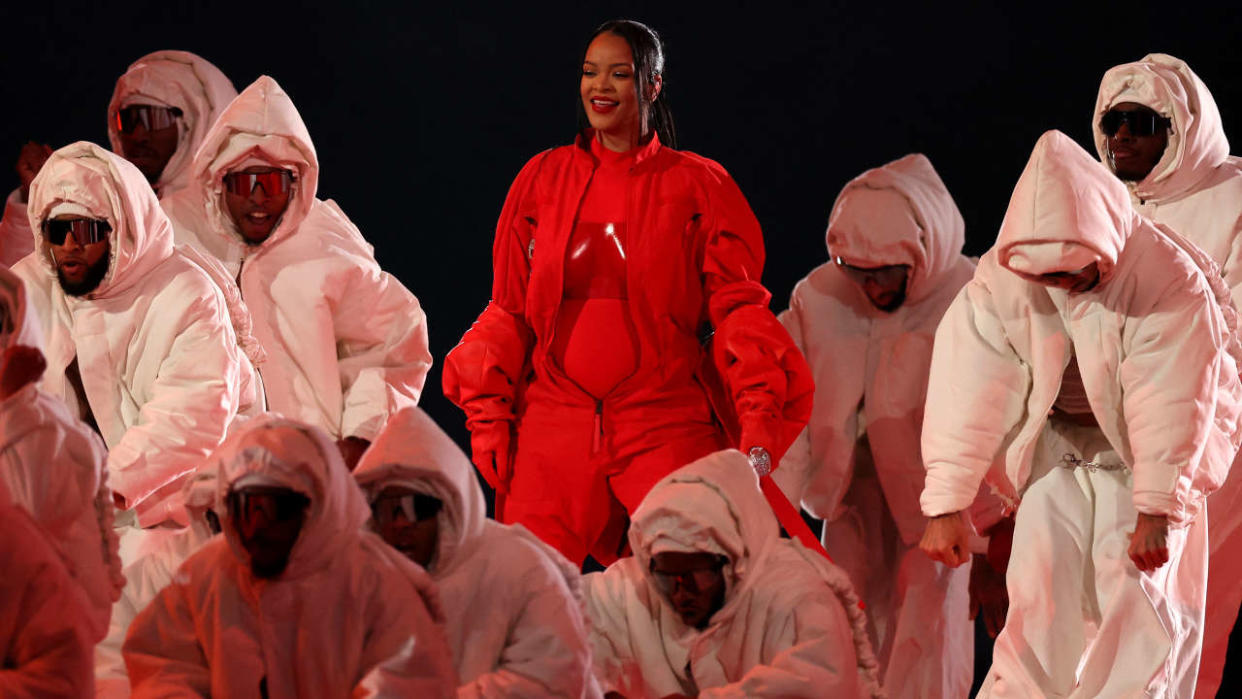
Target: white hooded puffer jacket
x,y
166,78
52,465
790,625
1196,188
898,214
1155,341
174,79
514,604
156,351
346,343
45,648
348,616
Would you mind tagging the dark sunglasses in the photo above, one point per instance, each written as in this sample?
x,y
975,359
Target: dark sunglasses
x,y
883,275
84,230
152,118
414,507
693,581
246,506
1142,122
244,183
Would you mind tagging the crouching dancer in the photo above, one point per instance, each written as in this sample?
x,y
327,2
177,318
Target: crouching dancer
x,y
513,603
715,604
1093,360
296,599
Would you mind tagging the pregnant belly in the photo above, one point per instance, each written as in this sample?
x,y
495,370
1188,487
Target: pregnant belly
x,y
595,343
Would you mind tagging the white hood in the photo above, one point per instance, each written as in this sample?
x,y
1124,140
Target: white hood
x,y
109,187
1066,212
302,458
414,452
1197,143
174,79
870,227
261,123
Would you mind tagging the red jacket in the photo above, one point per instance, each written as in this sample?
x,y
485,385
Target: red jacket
x,y
695,259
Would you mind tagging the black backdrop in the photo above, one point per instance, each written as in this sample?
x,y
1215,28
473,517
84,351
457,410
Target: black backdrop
x,y
422,114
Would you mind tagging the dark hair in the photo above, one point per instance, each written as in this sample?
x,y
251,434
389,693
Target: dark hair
x,y
648,51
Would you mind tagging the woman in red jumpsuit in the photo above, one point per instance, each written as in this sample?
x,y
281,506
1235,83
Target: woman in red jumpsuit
x,y
583,381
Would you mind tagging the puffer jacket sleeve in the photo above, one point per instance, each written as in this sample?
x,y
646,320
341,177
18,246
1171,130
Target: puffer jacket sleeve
x,y
1231,270
976,394
405,653
483,372
44,647
1173,358
795,465
162,653
382,349
765,375
816,656
546,653
192,400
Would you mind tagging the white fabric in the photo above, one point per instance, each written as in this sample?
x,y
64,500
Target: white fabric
x,y
159,362
789,627
1156,345
1196,189
175,79
346,615
1155,340
52,466
346,342
45,649
864,357
513,604
1083,622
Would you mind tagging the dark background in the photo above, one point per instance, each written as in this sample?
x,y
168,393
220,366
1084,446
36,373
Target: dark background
x,y
422,114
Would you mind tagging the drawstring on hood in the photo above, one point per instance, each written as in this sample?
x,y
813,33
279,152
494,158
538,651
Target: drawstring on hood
x,y
1197,143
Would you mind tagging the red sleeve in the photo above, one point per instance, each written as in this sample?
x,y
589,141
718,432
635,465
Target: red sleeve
x,y
766,378
482,372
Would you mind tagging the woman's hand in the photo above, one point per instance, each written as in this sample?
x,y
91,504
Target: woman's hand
x,y
946,539
490,451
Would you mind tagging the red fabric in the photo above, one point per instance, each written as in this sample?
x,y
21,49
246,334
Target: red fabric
x,y
692,244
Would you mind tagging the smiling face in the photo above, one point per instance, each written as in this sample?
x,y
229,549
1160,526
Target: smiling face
x,y
1138,141
610,95
254,209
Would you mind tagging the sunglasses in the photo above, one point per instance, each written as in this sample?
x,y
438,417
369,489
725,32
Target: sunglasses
x,y
414,507
244,183
886,275
1142,122
151,118
693,581
273,505
84,230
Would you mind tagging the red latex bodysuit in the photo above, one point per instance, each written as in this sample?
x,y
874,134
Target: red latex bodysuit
x,y
590,354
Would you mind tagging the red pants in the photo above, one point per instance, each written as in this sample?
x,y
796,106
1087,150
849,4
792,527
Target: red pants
x,y
576,479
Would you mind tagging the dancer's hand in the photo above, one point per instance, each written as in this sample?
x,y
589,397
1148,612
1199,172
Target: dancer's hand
x,y
352,449
946,539
1149,546
988,595
29,162
20,365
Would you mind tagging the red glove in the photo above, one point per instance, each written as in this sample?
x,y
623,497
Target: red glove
x,y
490,446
